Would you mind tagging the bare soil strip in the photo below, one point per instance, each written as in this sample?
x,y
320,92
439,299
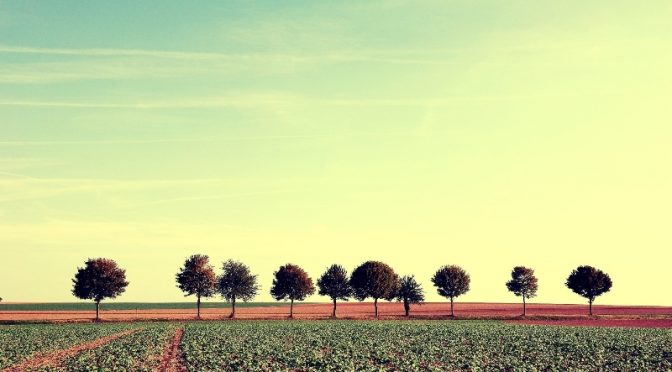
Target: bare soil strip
x,y
56,358
171,360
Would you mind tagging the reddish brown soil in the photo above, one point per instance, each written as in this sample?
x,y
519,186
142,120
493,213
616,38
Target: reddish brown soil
x,y
171,360
357,310
55,358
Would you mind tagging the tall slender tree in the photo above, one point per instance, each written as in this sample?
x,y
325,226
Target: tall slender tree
x,y
409,291
197,277
373,279
523,283
451,282
589,282
100,278
334,283
291,283
237,283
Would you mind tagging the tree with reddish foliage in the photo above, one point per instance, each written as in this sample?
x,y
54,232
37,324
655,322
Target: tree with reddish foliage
x,y
334,283
197,277
237,283
451,282
409,291
100,278
291,283
589,282
523,283
373,279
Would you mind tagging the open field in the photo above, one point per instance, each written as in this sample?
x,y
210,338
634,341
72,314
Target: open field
x,y
630,316
330,345
86,306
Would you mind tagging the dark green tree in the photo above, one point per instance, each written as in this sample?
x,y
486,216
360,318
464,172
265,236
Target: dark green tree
x,y
197,277
451,282
409,291
334,283
100,278
589,282
373,279
236,283
523,283
291,283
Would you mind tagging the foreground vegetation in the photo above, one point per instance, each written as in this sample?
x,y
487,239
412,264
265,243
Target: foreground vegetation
x,y
348,345
426,345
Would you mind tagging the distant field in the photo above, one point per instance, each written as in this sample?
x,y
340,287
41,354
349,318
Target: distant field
x,y
87,306
331,345
628,316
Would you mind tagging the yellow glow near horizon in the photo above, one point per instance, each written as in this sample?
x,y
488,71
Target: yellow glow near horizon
x,y
486,135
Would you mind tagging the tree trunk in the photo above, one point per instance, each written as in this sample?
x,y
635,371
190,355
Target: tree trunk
x,y
407,307
198,306
233,307
97,310
375,306
452,312
590,306
524,308
333,313
291,308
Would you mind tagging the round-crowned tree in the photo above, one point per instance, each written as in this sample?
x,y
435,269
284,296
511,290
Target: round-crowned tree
x,y
523,283
197,277
373,279
451,282
100,278
409,291
589,282
291,283
237,283
334,283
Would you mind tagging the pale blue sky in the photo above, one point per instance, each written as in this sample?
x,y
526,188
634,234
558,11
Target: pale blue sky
x,y
486,134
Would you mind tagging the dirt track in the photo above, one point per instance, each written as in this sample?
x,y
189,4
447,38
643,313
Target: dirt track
x,y
55,358
357,310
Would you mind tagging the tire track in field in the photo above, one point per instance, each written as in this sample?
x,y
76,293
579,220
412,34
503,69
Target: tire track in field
x,y
171,361
56,358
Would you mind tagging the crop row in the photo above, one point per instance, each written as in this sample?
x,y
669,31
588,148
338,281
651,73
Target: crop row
x,y
139,351
433,345
20,342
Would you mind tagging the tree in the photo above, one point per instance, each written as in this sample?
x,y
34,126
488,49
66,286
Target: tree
x,y
334,283
291,283
197,277
236,282
523,283
100,278
451,282
409,291
373,279
588,282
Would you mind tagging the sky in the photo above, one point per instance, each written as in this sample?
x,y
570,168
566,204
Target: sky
x,y
485,134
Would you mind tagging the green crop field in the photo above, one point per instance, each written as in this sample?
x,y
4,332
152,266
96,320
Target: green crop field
x,y
88,306
347,345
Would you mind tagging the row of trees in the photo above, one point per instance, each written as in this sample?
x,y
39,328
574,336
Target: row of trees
x,y
101,278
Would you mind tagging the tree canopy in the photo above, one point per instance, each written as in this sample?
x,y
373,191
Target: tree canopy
x,y
237,283
100,278
334,283
523,283
409,291
291,283
197,277
589,283
451,282
373,279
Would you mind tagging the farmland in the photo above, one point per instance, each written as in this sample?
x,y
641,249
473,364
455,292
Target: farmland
x,y
336,345
83,312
